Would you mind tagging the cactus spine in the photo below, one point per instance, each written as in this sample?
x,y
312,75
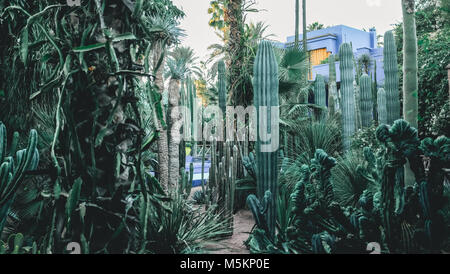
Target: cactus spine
x,y
366,104
347,93
265,86
381,102
391,78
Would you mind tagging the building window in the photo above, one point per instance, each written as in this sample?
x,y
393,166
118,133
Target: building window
x,y
316,57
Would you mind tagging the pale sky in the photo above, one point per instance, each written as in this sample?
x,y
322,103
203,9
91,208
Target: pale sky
x,y
279,15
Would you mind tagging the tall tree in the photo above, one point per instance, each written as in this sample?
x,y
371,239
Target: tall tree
x,y
305,29
175,72
165,32
234,19
181,65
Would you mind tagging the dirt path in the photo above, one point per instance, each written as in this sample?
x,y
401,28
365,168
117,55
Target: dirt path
x,y
243,223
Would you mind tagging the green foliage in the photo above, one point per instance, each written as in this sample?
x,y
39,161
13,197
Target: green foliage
x,y
181,228
199,197
349,181
312,135
94,132
13,166
364,200
15,245
441,122
365,137
433,35
364,63
315,26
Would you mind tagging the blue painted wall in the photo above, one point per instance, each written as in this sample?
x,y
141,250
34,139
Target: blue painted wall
x,y
331,38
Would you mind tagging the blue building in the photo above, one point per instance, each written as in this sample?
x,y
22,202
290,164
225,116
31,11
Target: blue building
x,y
322,43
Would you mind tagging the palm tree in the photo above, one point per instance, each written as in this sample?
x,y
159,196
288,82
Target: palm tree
x,y
164,33
315,26
234,19
180,66
176,71
188,60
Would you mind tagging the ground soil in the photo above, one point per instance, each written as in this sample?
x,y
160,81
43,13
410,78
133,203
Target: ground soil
x,y
243,224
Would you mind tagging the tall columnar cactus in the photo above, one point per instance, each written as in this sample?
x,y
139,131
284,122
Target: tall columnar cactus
x,y
381,105
319,91
410,79
347,93
366,104
357,95
222,87
331,105
332,86
374,91
265,90
195,116
391,78
13,165
410,75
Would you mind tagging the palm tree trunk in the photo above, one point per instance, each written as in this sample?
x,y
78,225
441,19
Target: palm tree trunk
x,y
305,48
297,7
174,133
233,16
163,156
410,81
